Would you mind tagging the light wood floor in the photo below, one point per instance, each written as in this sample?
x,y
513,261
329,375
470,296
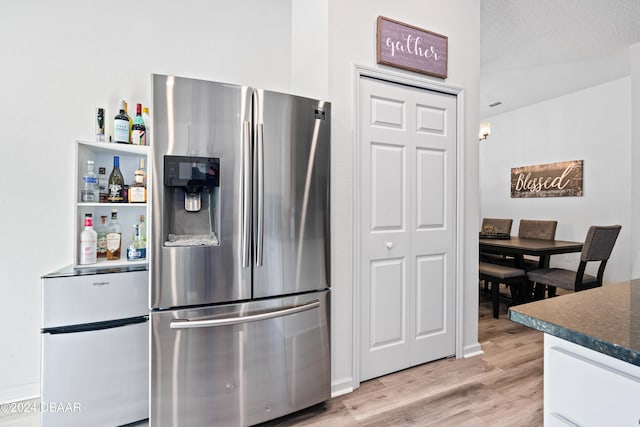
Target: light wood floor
x,y
502,387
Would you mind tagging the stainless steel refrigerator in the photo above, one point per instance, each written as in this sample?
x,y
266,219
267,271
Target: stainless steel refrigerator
x,y
240,274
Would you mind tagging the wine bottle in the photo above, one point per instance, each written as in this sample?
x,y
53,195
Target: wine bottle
x,y
116,183
138,131
146,117
121,125
126,113
114,237
88,241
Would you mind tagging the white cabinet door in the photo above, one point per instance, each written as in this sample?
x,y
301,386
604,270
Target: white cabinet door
x,y
96,378
408,229
586,388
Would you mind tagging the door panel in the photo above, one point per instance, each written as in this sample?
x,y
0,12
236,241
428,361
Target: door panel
x,y
292,135
387,195
408,158
244,372
430,189
200,119
100,376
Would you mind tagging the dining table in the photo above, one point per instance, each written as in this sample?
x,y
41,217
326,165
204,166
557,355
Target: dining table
x,y
518,247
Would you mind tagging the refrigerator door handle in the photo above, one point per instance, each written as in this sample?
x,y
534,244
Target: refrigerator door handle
x,y
208,323
260,225
246,194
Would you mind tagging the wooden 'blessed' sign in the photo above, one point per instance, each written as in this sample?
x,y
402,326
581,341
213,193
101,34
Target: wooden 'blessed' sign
x,y
411,48
551,180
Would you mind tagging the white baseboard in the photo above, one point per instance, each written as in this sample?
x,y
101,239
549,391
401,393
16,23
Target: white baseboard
x,y
342,386
472,351
20,393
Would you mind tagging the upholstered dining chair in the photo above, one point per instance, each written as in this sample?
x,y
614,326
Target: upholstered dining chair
x,y
536,229
597,247
496,225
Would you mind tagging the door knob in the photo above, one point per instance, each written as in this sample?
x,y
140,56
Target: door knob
x,y
389,245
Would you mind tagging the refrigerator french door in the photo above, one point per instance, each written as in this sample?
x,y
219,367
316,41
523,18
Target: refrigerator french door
x,y
240,266
240,364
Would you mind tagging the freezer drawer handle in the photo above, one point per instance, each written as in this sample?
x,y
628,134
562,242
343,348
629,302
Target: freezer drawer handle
x,y
186,323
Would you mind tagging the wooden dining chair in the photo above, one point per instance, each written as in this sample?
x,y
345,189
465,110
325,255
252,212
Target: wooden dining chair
x,y
597,247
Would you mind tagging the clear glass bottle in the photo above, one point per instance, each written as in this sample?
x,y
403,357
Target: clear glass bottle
x,y
143,228
88,241
121,129
137,189
103,185
114,237
146,117
137,249
116,183
101,230
89,192
138,131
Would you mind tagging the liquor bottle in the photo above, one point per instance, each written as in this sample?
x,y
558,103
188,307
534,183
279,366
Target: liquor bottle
x,y
116,183
137,189
142,169
89,192
146,117
101,245
99,124
88,242
137,249
103,185
126,113
114,237
138,131
143,228
121,128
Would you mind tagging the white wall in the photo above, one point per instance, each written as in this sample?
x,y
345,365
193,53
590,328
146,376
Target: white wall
x,y
310,48
352,41
593,125
62,59
635,159
59,61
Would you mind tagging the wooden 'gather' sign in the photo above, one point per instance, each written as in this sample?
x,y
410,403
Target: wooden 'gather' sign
x,y
550,180
411,48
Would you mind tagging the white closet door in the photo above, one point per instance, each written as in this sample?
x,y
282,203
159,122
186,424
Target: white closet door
x,y
408,229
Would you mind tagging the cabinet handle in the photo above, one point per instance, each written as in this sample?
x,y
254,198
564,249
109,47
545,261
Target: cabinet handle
x,y
389,245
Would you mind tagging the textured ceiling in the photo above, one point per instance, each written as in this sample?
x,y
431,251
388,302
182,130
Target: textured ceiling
x,y
533,50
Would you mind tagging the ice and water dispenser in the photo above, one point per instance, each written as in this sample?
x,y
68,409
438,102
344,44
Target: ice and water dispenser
x,y
192,198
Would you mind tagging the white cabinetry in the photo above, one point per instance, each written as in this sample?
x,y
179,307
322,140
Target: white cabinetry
x,y
128,213
586,388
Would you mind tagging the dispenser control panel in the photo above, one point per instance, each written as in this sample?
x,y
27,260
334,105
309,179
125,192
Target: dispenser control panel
x,y
184,171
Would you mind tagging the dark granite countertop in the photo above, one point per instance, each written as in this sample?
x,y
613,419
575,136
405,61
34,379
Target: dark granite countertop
x,y
605,319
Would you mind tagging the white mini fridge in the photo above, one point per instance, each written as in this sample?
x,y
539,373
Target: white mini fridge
x,y
95,347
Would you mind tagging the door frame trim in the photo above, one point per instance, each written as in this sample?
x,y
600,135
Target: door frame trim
x,y
360,71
